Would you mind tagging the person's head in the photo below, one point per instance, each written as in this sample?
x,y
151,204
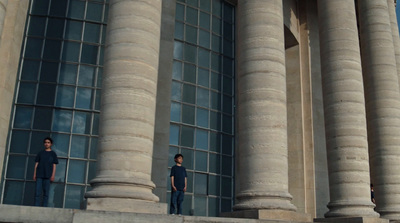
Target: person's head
x,y
47,142
371,185
178,158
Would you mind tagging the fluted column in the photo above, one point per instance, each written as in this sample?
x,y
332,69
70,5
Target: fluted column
x,y
395,34
262,152
344,110
123,179
382,104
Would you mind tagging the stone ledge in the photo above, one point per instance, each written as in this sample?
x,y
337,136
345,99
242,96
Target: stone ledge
x,y
125,205
352,220
264,214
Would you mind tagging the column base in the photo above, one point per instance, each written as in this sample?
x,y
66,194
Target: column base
x,y
125,205
265,214
352,220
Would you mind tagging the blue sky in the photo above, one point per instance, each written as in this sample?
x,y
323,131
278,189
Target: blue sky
x,y
398,13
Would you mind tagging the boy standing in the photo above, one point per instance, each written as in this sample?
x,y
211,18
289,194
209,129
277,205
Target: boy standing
x,y
178,185
45,170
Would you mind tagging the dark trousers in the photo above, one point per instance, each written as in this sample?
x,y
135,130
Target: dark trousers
x,y
42,185
176,201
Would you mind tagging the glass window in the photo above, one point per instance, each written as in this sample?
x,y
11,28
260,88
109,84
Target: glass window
x,y
60,144
97,103
176,90
189,92
36,26
213,185
33,48
204,58
37,142
216,25
96,121
172,152
201,139
73,30
191,34
201,161
71,51
179,30
93,147
76,9
92,33
43,118
190,53
188,114
191,15
226,187
65,96
84,98
82,123
200,186
204,20
29,191
215,142
55,28
174,135
200,205
177,71
16,167
26,93
178,50
56,195
214,164
19,141
188,161
189,74
227,165
58,8
68,73
62,120
40,7
213,206
30,70
202,117
92,171
13,191
89,54
49,72
23,117
94,11
187,138
46,94
79,146
74,196
76,171
204,39
180,12
203,97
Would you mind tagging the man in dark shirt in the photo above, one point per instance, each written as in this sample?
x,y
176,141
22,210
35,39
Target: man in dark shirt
x,y
45,170
178,185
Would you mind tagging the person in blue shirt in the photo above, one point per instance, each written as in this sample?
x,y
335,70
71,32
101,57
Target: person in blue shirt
x,y
45,170
178,185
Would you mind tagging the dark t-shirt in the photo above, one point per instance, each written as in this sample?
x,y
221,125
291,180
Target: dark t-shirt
x,y
179,174
46,159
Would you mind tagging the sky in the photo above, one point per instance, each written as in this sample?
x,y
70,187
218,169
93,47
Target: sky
x,y
398,14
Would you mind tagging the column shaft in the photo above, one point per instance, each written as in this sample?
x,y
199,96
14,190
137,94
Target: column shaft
x,y
382,104
344,109
3,7
395,34
128,106
262,159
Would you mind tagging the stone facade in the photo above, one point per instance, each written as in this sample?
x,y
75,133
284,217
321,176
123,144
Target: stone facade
x,y
317,112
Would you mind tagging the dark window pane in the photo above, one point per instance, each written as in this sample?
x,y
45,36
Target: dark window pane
x,y
76,171
92,33
187,138
226,165
200,205
56,198
177,71
200,183
37,142
52,50
191,34
13,191
33,48
76,9
62,121
203,77
74,197
227,124
228,13
79,146
193,3
16,167
227,144
60,170
94,11
175,112
174,135
40,7
205,5
201,139
97,105
68,73
71,51
73,30
60,144
216,7
96,120
189,94
201,161
204,39
228,32
92,171
99,76
213,207
215,100
203,97
189,74
36,26
58,8
176,91
204,58
190,53
202,117
180,12
188,161
216,25
215,81
89,54
49,72
65,96
82,122
86,75
30,70
191,15
43,117
84,98
55,28
214,167
19,141
188,114
23,117
46,94
215,142
171,155
226,205
227,104
213,185
29,193
204,20
216,62
178,50
226,187
216,43
179,30
215,121
227,85
93,148
26,92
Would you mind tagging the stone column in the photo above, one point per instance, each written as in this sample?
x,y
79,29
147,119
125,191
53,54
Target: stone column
x,y
123,179
395,34
262,151
344,109
3,7
382,104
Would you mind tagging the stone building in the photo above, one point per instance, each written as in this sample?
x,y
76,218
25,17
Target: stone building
x,y
284,111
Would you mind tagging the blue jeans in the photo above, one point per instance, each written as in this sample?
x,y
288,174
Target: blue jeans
x,y
42,185
176,201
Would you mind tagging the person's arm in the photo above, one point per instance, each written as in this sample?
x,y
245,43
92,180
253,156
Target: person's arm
x,y
34,171
184,189
54,173
172,183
